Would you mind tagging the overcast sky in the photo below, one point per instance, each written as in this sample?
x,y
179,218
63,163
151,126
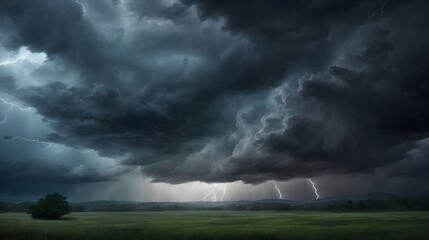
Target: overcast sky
x,y
166,100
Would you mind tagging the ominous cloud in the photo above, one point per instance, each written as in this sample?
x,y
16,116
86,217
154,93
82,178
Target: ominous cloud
x,y
217,91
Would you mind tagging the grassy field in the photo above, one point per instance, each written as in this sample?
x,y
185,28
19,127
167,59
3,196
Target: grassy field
x,y
219,225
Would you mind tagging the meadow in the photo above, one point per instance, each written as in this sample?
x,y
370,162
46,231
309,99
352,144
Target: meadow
x,y
219,225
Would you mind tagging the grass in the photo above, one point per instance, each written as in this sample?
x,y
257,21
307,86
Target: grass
x,y
219,225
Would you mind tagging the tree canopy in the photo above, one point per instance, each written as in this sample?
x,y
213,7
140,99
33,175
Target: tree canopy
x,y
52,206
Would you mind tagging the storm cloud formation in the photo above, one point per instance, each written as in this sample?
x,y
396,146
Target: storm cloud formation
x,y
220,91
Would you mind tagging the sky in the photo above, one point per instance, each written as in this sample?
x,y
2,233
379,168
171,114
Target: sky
x,y
213,100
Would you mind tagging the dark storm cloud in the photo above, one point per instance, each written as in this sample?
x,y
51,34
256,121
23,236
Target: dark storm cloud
x,y
43,171
8,83
54,27
290,34
103,118
415,165
24,161
103,110
283,89
363,114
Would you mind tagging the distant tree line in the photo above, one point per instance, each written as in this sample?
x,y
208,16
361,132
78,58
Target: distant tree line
x,y
375,204
2,207
414,204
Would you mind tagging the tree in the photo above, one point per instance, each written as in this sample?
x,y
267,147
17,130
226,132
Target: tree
x,y
2,207
52,206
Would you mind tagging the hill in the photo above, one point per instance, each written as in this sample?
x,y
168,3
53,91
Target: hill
x,y
366,202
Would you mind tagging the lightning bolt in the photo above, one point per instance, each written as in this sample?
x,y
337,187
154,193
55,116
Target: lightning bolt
x,y
278,190
11,105
379,10
78,150
314,187
14,105
211,192
81,4
10,138
157,22
8,62
6,113
224,193
214,196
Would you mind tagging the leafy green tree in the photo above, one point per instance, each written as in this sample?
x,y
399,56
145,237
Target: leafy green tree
x,y
52,206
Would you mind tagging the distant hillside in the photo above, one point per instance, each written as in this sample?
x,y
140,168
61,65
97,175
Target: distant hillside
x,y
366,202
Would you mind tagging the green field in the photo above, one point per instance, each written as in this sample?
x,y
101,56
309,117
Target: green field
x,y
219,225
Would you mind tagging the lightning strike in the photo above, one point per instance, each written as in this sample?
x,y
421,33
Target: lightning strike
x,y
278,190
78,150
6,113
14,105
214,196
314,187
81,4
379,10
11,106
212,193
10,138
8,62
157,22
224,193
